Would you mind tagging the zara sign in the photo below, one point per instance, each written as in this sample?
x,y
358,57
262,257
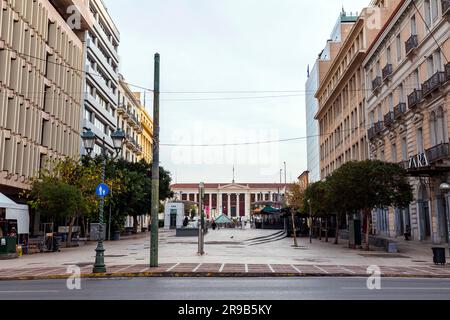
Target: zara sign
x,y
418,161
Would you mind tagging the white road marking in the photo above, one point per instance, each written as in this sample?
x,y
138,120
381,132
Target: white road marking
x,y
30,291
173,267
197,267
246,268
323,270
296,269
222,267
271,269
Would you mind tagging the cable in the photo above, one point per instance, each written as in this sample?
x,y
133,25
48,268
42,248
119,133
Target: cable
x,y
261,142
429,30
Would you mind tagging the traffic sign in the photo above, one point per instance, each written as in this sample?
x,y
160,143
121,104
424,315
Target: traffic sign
x,y
102,190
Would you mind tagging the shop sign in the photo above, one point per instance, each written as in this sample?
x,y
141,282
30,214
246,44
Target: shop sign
x,y
418,161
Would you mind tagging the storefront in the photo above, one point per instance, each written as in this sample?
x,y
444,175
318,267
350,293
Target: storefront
x,y
14,226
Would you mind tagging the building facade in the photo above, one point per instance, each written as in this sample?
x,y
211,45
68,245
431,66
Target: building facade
x,y
128,120
232,199
312,126
407,106
341,94
41,59
102,76
146,136
315,76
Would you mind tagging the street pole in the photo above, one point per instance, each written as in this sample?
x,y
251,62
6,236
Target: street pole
x,y
201,226
155,169
99,266
447,197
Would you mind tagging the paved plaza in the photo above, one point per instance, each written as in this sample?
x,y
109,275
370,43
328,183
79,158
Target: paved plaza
x,y
231,253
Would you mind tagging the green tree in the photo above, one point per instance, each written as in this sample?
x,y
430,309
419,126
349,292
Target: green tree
x,y
367,185
318,201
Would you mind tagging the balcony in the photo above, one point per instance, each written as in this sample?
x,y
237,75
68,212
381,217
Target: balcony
x,y
414,99
389,119
379,127
121,109
445,7
399,111
447,72
411,44
437,153
371,133
376,83
434,83
387,72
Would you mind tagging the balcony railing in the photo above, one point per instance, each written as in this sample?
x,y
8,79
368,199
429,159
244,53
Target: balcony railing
x,y
387,71
379,127
121,108
447,72
445,7
399,110
376,83
433,83
414,99
438,152
411,44
389,119
371,133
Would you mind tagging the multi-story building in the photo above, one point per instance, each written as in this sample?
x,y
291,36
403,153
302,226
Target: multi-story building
x,y
146,137
407,104
315,75
41,63
231,199
102,75
128,121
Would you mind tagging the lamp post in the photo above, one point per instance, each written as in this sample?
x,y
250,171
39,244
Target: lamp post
x,y
89,141
445,189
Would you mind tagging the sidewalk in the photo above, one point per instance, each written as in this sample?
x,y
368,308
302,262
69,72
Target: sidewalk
x,y
230,253
225,270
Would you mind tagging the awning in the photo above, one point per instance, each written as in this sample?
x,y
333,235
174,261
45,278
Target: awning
x,y
270,210
223,219
17,212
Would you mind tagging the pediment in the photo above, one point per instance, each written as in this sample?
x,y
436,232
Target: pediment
x,y
234,186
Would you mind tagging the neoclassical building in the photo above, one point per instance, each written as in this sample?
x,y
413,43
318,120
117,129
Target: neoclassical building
x,y
231,199
407,107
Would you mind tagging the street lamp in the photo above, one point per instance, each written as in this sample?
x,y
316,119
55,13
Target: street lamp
x,y
445,189
89,142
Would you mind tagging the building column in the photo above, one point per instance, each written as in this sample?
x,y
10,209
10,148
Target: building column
x,y
248,199
229,205
210,204
238,205
219,203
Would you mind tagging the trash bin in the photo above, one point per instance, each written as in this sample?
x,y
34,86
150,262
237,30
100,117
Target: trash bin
x,y
439,256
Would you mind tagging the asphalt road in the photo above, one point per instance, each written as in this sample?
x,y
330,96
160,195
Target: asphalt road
x,y
233,289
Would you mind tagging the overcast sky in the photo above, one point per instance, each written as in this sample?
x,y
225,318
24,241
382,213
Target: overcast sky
x,y
239,46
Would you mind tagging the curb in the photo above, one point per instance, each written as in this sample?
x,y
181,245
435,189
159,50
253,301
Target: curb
x,y
215,275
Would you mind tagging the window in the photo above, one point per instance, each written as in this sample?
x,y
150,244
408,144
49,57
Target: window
x,y
100,125
427,9
394,153
420,147
399,48
391,102
437,61
413,26
430,66
401,92
434,9
388,55
88,115
404,150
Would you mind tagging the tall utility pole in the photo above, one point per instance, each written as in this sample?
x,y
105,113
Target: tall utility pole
x,y
155,169
201,223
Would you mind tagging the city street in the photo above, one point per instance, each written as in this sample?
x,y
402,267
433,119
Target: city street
x,y
231,289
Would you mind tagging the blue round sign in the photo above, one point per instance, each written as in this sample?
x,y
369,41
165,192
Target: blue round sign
x,y
102,190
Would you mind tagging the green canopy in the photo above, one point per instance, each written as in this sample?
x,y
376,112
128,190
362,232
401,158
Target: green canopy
x,y
270,210
223,219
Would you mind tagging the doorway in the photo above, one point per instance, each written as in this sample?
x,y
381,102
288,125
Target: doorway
x,y
424,214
